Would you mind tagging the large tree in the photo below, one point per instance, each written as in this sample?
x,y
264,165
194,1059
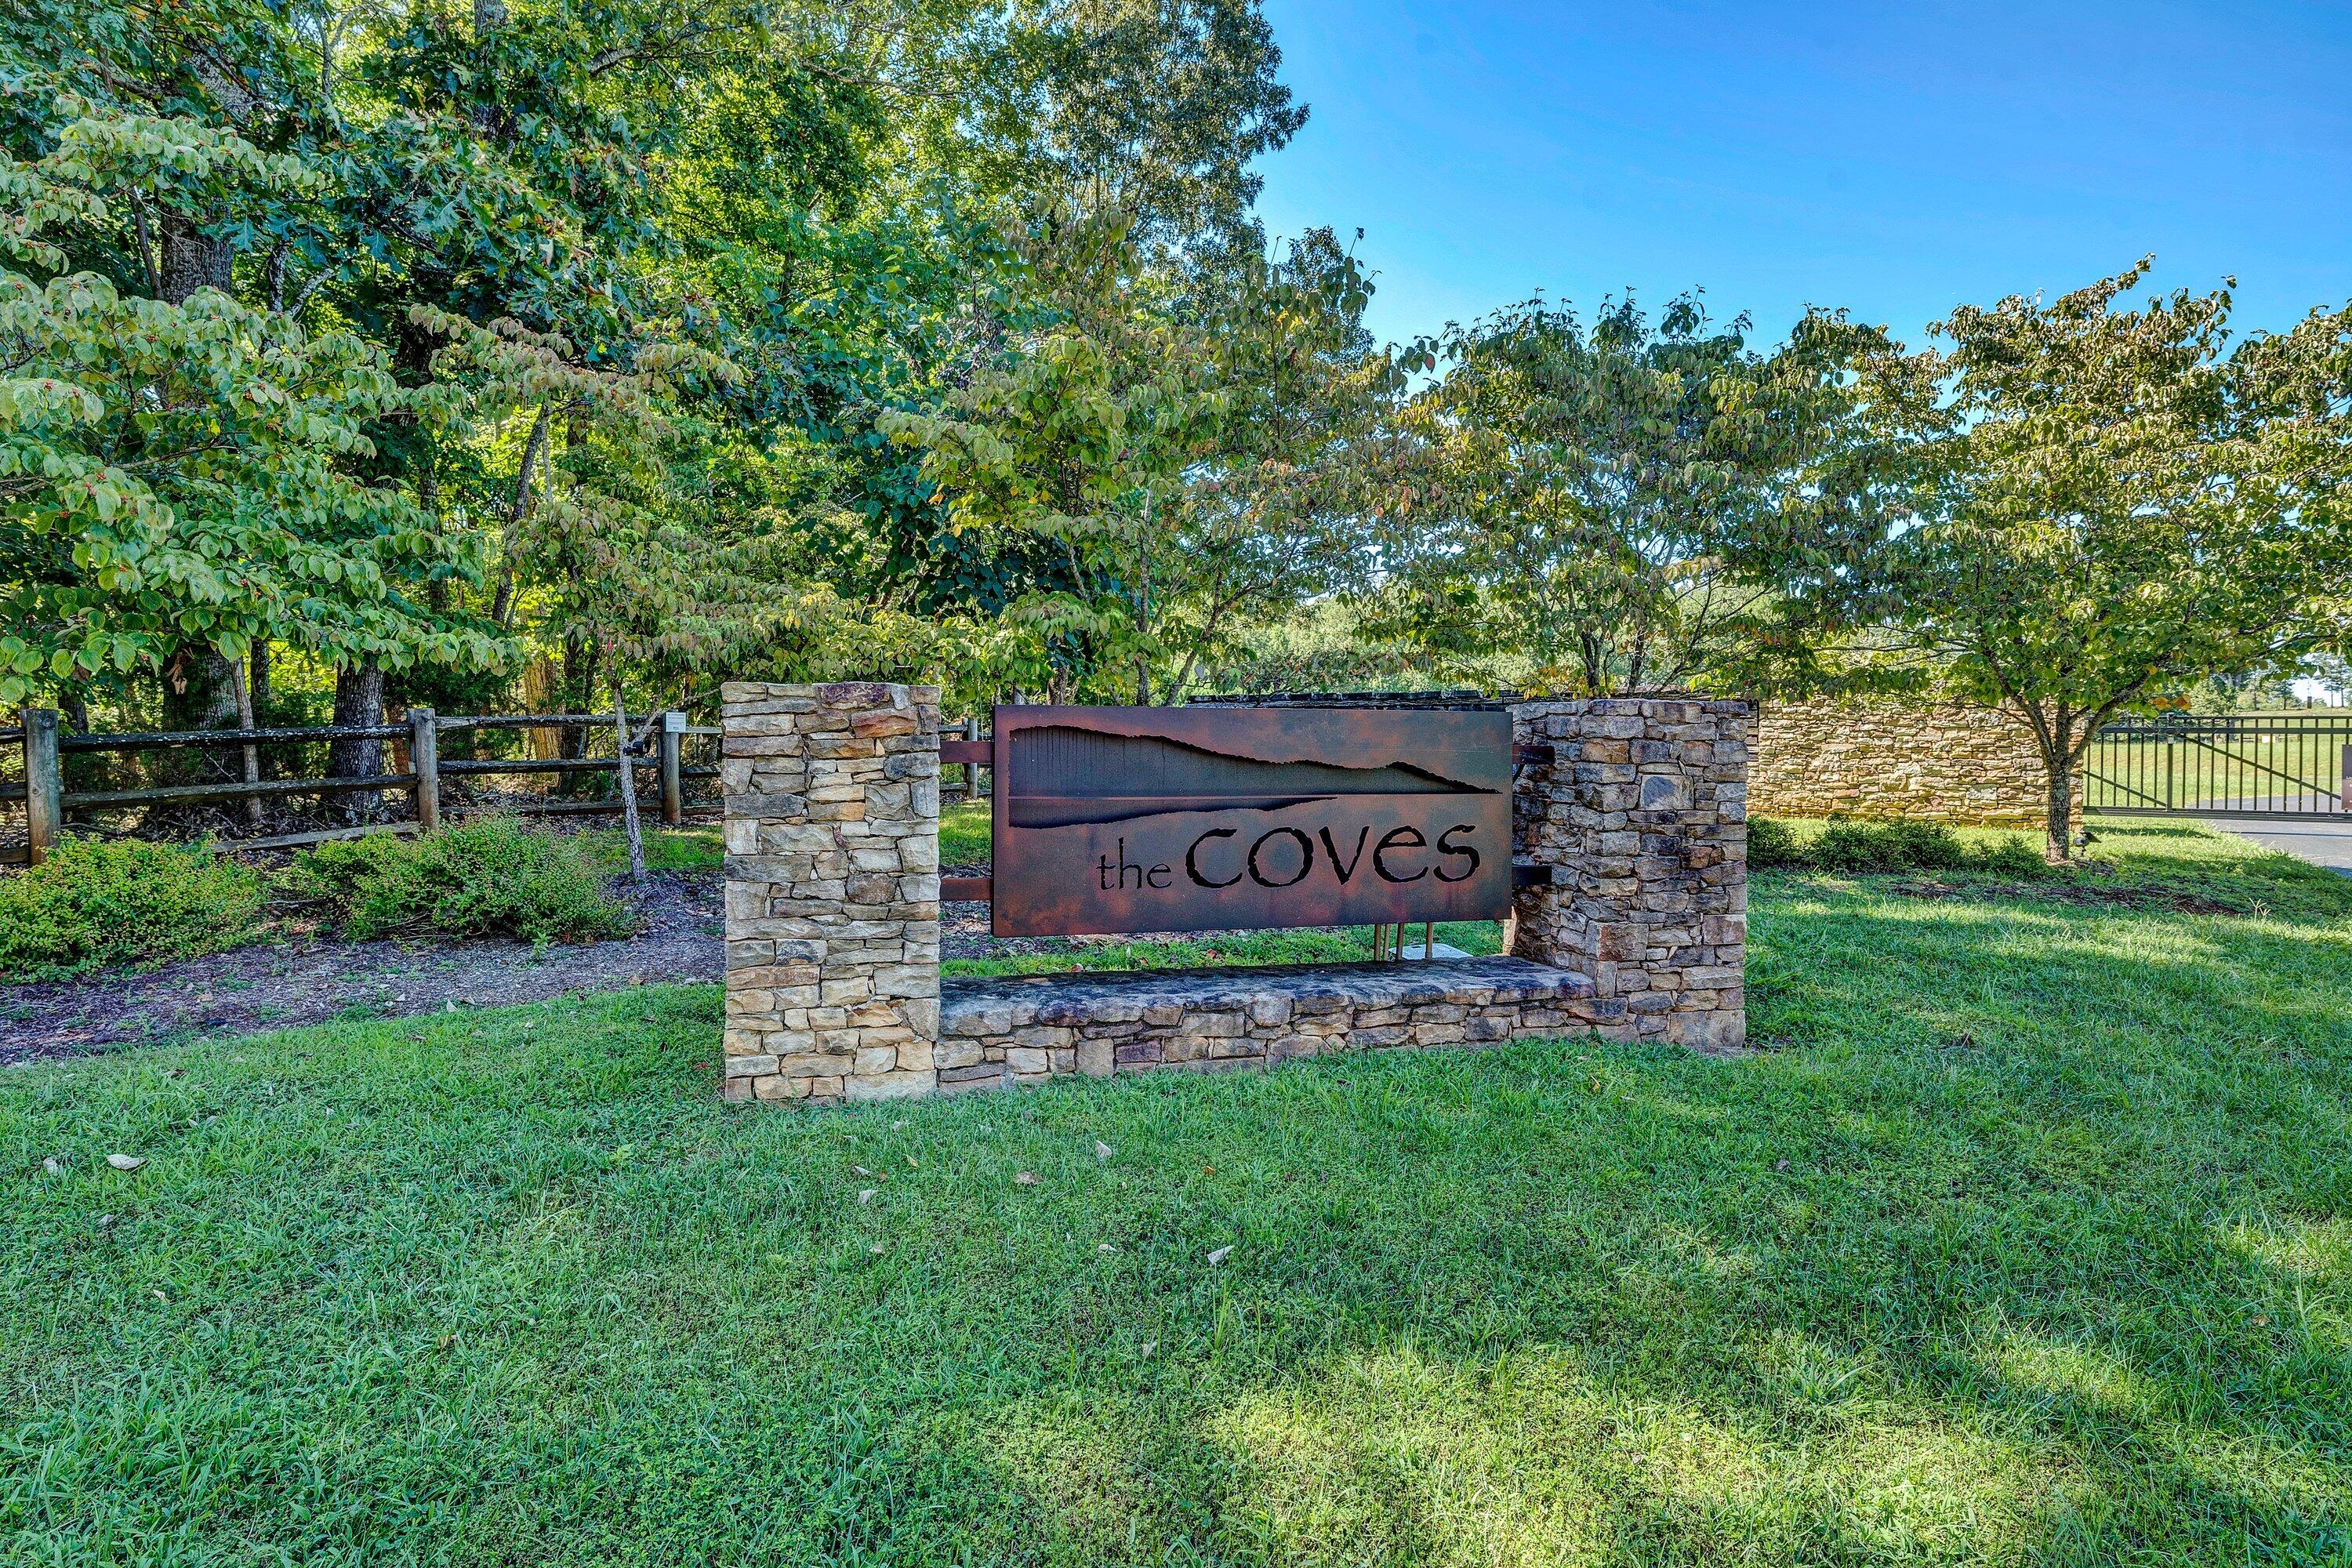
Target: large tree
x,y
1154,107
178,477
1184,442
1564,495
2074,506
816,193
1274,514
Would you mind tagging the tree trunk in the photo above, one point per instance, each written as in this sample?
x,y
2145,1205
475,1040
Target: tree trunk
x,y
76,766
579,697
257,686
252,752
199,693
2059,848
192,260
519,514
359,700
207,691
2053,736
257,680
628,778
202,693
1596,664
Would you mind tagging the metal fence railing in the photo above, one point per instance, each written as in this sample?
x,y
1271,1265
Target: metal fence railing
x,y
2282,764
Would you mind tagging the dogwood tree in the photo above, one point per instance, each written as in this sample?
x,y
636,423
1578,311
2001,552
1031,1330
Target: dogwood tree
x,y
2074,506
178,478
1566,494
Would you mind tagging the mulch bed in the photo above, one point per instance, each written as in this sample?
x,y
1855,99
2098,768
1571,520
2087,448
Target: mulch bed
x,y
283,983
280,984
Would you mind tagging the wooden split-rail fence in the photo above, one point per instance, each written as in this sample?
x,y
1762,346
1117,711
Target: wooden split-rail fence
x,y
46,801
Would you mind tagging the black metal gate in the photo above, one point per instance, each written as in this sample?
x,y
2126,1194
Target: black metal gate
x,y
2222,764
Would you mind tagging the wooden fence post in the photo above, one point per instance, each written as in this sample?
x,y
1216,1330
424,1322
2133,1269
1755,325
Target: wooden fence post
x,y
673,793
44,788
424,761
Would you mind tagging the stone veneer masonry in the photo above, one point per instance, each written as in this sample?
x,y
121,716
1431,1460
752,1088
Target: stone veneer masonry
x,y
1000,1033
833,987
1642,818
832,890
1879,759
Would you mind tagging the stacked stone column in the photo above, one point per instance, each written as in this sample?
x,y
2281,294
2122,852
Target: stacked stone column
x,y
833,912
1640,822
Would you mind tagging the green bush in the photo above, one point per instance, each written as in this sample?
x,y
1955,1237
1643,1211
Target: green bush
x,y
1889,846
489,877
95,903
2011,858
1884,846
1774,844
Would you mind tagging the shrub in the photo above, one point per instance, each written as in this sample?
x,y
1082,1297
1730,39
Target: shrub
x,y
94,903
1882,847
1771,843
490,876
2012,857
1889,846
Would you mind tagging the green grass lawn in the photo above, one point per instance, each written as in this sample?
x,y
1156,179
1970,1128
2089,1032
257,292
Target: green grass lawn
x,y
964,834
667,848
2031,1242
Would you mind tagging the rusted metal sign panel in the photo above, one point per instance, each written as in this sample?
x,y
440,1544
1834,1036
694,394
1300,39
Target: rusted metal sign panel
x,y
1145,819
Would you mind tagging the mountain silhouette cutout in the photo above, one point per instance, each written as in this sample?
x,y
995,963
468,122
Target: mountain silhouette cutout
x,y
1062,775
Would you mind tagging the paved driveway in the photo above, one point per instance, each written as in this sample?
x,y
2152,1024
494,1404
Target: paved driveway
x,y
2324,841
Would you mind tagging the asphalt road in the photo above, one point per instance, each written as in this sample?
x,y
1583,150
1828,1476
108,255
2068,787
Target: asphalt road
x,y
2323,840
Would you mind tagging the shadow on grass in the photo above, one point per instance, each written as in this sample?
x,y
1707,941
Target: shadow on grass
x,y
2130,862
2036,1251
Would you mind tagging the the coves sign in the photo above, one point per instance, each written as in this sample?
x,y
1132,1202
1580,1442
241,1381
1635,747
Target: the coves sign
x,y
1137,819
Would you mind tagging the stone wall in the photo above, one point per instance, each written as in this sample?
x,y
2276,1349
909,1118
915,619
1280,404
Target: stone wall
x,y
832,890
1002,1033
1642,819
1882,759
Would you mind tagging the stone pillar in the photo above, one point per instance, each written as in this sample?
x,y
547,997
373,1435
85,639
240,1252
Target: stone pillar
x,y
1641,819
832,890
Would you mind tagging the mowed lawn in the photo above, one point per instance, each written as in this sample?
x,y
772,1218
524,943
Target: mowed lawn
x,y
2026,1241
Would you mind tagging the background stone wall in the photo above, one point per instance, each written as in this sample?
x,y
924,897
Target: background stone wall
x,y
832,890
1882,759
1642,816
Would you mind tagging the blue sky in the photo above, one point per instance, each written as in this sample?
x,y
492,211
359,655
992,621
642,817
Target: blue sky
x,y
1893,159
